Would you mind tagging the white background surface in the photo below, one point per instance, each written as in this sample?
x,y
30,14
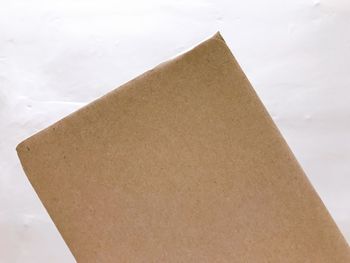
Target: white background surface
x,y
56,56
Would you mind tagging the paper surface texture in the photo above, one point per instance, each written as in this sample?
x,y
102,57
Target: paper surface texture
x,y
181,164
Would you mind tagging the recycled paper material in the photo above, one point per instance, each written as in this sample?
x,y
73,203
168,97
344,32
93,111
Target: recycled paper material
x,y
181,164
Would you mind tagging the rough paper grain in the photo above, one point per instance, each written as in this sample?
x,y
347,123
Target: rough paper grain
x,y
182,164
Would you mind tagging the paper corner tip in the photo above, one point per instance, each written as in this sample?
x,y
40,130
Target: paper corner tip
x,y
218,35
20,146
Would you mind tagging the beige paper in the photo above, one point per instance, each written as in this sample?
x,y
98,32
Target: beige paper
x,y
181,164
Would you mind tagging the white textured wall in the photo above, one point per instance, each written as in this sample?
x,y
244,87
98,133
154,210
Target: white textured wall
x,y
56,56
